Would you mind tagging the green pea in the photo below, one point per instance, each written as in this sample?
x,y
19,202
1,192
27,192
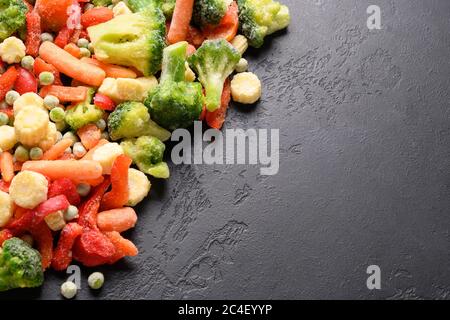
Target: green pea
x,y
27,62
83,43
36,153
51,102
46,78
21,154
84,52
11,96
57,114
46,37
4,119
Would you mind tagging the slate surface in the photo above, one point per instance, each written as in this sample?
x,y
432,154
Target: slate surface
x,y
364,173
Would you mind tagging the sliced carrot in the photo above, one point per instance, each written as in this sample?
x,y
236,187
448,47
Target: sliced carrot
x,y
57,149
92,182
89,135
111,70
216,118
65,94
179,26
70,65
119,220
73,49
89,154
124,247
67,156
228,26
41,66
96,16
7,166
71,169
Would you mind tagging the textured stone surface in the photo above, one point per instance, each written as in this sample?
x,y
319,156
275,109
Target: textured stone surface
x,y
364,173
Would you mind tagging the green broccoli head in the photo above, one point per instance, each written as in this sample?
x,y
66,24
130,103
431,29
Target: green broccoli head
x,y
12,17
83,113
147,153
135,41
214,61
209,12
131,119
20,265
167,7
175,103
259,18
101,3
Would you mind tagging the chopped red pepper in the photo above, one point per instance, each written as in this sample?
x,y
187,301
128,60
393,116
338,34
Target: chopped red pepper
x,y
34,217
89,135
104,102
41,66
5,234
63,37
93,248
7,81
66,187
216,118
4,186
89,209
118,196
33,39
44,239
62,256
25,82
124,247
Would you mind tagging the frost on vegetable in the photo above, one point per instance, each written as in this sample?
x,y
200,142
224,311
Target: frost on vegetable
x,y
209,12
83,113
12,17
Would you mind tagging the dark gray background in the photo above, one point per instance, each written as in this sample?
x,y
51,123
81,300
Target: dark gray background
x,y
364,173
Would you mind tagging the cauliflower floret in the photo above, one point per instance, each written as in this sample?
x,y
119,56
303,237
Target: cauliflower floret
x,y
121,8
55,220
6,208
246,88
138,186
28,99
12,50
124,89
31,125
8,137
106,154
50,138
28,189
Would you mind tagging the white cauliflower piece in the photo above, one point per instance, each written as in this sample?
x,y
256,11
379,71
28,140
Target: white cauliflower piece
x,y
12,50
138,187
31,125
28,189
6,208
28,99
8,137
106,154
50,138
125,89
121,8
246,88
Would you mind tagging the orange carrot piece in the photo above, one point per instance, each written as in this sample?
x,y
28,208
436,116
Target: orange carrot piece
x,y
119,220
111,70
124,247
57,149
89,135
179,26
71,169
65,94
228,26
88,155
73,49
17,166
71,66
92,182
7,166
67,156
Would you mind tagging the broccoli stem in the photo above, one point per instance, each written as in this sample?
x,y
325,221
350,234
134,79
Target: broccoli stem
x,y
173,64
213,93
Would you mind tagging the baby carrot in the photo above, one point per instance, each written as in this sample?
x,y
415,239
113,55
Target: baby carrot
x,y
57,150
89,135
71,66
179,26
88,155
65,94
72,169
73,49
118,220
111,70
124,247
6,166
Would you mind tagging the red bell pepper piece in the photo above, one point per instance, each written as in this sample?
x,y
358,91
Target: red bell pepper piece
x,y
62,256
104,102
118,196
33,39
93,248
124,247
89,209
34,217
2,67
44,239
216,118
63,37
25,82
41,66
7,81
5,234
65,187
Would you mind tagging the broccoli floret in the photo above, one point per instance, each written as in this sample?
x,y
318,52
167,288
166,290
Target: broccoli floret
x,y
131,120
214,61
20,265
12,17
209,12
83,113
135,40
101,3
147,153
175,103
259,18
167,7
